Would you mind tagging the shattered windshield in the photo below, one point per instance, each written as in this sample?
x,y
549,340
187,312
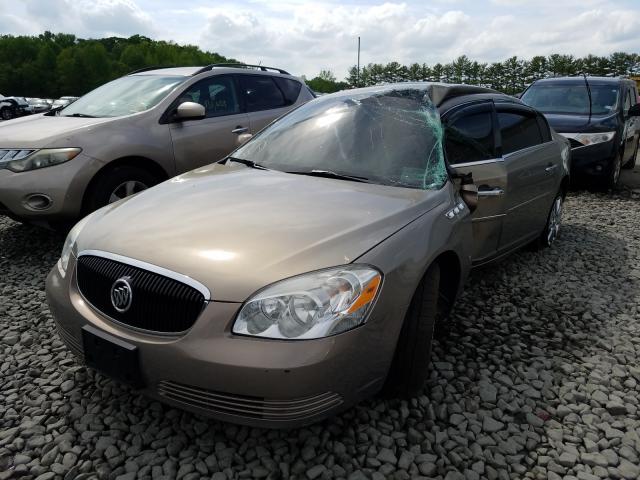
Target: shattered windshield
x,y
386,136
572,98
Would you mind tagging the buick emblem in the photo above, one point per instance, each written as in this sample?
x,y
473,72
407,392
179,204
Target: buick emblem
x,y
121,294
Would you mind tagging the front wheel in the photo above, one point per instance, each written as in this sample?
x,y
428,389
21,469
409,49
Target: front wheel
x,y
630,165
613,176
410,365
552,229
119,183
6,113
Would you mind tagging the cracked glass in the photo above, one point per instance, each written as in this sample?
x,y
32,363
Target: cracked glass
x,y
385,135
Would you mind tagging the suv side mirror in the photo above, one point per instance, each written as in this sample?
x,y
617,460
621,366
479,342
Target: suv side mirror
x,y
189,111
634,111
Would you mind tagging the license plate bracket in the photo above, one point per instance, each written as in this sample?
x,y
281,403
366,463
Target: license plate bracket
x,y
111,356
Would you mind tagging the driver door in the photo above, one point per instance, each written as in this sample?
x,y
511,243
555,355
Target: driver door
x,y
470,145
204,141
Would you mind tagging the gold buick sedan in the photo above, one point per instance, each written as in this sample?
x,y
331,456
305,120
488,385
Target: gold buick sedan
x,y
307,270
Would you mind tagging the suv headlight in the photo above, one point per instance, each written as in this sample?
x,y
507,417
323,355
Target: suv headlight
x,y
41,159
69,246
313,305
590,138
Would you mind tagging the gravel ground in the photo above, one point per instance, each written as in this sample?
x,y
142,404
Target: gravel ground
x,y
537,379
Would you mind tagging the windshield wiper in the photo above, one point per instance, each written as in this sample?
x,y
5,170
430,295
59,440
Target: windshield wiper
x,y
79,115
331,174
248,163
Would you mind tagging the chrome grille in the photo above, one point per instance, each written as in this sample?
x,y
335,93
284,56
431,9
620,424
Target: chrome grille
x,y
250,407
159,304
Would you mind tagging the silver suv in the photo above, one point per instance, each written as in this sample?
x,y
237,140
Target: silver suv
x,y
133,133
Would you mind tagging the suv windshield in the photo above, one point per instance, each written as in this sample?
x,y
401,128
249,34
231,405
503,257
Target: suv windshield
x,y
384,135
572,98
123,96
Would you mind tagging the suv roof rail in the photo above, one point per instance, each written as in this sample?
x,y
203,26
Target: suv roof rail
x,y
146,69
240,65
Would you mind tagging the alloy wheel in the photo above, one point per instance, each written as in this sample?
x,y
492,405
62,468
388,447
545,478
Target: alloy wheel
x,y
126,189
555,218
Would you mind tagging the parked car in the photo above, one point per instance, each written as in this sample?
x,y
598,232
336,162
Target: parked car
x,y
132,133
305,271
38,105
63,102
11,107
598,115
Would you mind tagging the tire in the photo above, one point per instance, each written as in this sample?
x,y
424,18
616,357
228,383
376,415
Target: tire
x,y
410,365
118,183
613,175
552,227
6,113
631,164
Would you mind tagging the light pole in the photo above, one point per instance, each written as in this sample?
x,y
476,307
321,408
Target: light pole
x,y
358,71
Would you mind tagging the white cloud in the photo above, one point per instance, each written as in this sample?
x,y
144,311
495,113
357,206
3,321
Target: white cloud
x,y
307,36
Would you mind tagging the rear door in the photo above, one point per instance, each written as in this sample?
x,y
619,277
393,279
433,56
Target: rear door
x,y
201,142
265,100
470,145
533,165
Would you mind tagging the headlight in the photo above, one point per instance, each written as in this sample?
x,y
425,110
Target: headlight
x,y
40,159
590,138
70,245
314,305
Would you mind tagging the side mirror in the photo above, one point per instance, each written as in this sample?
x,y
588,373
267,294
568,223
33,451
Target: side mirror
x,y
243,138
189,111
468,190
634,111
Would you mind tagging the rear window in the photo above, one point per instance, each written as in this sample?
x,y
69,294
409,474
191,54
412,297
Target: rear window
x,y
261,93
290,89
519,131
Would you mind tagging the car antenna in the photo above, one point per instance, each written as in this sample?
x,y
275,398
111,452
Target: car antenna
x,y
589,92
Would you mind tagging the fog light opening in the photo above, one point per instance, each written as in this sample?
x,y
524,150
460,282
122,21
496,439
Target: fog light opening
x,y
38,201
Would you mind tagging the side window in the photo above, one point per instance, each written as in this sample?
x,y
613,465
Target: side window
x,y
470,138
627,101
518,130
544,127
290,89
261,93
216,94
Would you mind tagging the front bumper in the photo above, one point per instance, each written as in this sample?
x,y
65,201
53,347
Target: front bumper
x,y
60,187
257,382
593,160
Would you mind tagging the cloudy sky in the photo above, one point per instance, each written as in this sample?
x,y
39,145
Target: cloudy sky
x,y
305,37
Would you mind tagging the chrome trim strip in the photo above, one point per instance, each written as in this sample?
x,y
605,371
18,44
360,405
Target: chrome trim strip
x,y
479,162
488,218
152,268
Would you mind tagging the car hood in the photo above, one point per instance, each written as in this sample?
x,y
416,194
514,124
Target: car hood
x,y
45,131
580,123
237,229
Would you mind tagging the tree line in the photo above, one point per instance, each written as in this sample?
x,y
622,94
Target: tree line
x,y
510,76
52,65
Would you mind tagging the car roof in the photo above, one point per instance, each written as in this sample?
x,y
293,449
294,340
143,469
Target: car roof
x,y
580,79
438,92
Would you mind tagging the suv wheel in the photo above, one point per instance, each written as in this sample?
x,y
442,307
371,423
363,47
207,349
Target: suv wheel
x,y
552,228
410,365
6,113
613,177
117,184
630,165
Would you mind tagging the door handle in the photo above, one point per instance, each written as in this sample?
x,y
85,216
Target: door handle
x,y
240,130
550,168
494,192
